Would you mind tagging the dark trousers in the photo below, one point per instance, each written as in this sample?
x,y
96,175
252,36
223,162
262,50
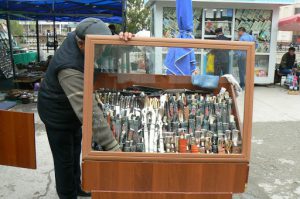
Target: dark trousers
x,y
66,148
285,71
221,68
242,70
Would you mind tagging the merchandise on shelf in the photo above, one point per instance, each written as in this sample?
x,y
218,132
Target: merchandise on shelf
x,y
218,18
170,25
292,82
258,23
171,121
5,63
213,25
261,65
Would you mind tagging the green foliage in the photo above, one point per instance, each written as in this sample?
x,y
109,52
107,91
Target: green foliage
x,y
16,28
32,27
138,16
119,28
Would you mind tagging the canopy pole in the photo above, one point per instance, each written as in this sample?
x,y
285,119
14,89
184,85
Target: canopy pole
x,y
54,34
54,29
124,17
10,45
37,39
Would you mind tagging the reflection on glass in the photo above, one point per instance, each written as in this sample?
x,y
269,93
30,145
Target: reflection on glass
x,y
221,62
241,63
125,59
152,60
156,120
218,62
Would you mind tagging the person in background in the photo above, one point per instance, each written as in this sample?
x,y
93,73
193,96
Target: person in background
x,y
112,28
221,56
287,64
60,106
245,37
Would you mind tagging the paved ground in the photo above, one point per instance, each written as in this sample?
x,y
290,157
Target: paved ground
x,y
274,167
274,170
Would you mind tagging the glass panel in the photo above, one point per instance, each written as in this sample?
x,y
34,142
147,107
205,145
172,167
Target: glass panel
x,y
218,18
261,65
170,25
127,59
257,23
163,118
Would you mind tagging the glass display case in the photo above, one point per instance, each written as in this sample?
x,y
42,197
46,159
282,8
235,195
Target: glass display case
x,y
175,138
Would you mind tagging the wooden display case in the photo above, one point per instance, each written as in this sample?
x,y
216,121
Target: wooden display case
x,y
164,175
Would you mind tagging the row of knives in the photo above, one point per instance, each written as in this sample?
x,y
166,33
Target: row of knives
x,y
171,122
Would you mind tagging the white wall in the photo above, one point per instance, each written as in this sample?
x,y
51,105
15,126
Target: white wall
x,y
286,11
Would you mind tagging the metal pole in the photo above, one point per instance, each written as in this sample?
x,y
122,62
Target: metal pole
x,y
54,33
54,29
10,45
37,40
124,15
48,31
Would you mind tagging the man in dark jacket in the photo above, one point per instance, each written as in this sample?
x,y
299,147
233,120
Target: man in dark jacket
x,y
287,63
60,105
221,56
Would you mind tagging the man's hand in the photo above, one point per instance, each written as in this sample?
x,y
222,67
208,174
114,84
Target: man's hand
x,y
126,36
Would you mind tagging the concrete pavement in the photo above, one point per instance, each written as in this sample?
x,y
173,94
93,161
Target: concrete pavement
x,y
274,170
274,166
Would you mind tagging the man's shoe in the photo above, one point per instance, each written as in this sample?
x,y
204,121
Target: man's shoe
x,y
82,193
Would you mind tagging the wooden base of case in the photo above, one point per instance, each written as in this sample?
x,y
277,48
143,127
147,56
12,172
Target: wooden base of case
x,y
165,179
149,195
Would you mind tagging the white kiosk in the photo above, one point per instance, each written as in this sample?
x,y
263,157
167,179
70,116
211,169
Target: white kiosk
x,y
262,22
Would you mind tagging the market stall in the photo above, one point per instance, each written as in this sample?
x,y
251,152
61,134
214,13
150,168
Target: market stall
x,y
259,17
17,129
27,10
178,140
291,23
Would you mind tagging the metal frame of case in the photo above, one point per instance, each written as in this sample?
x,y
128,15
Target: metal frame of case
x,y
152,175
